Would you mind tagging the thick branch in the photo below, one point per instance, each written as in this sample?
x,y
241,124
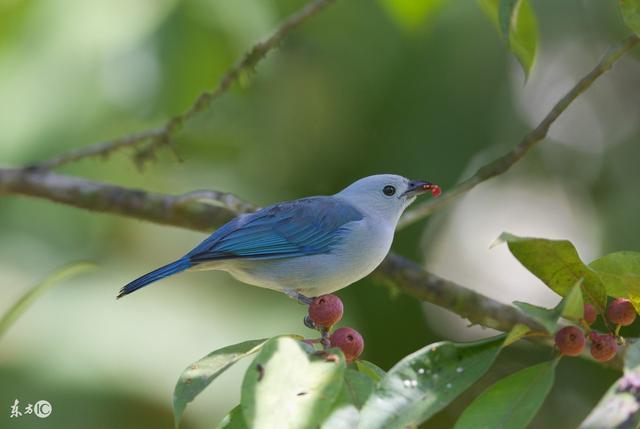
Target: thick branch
x,y
505,162
178,210
163,135
473,306
189,212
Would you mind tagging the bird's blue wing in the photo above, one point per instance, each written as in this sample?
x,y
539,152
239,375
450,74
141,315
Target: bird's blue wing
x,y
307,226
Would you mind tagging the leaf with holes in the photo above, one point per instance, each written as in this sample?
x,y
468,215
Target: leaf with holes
x,y
426,381
197,376
287,387
512,402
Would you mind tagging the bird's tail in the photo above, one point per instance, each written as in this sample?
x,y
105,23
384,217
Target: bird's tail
x,y
155,275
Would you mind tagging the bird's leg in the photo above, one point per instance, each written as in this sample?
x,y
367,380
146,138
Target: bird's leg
x,y
305,300
302,299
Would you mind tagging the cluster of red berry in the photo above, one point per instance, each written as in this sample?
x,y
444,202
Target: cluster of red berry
x,y
570,340
325,311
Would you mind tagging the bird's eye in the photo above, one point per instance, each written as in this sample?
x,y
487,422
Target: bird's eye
x,y
388,190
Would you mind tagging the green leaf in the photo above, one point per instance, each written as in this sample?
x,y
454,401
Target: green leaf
x,y
426,381
233,420
517,332
17,309
355,391
570,307
557,264
620,274
285,387
345,416
507,15
357,388
630,10
516,21
372,370
544,316
512,402
197,376
619,408
411,14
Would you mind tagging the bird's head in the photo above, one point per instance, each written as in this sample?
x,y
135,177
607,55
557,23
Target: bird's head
x,y
386,195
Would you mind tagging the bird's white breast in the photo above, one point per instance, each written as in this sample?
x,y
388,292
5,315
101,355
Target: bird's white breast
x,y
365,244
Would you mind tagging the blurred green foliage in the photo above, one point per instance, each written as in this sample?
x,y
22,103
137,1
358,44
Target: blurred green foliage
x,y
362,88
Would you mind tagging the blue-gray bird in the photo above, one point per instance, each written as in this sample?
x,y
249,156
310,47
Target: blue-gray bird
x,y
307,247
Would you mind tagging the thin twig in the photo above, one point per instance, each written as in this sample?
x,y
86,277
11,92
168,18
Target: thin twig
x,y
163,135
505,162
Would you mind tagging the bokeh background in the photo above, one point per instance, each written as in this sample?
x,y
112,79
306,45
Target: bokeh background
x,y
422,88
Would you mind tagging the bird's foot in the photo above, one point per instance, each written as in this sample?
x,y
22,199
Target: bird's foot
x,y
309,323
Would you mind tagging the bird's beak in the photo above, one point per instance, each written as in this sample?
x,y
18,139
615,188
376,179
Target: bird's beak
x,y
418,187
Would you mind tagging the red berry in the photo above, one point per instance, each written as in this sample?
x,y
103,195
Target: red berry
x,y
621,312
590,314
603,347
570,340
436,190
349,341
326,310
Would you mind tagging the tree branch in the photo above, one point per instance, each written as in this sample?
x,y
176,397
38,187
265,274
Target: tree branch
x,y
177,210
473,306
187,211
163,135
504,163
